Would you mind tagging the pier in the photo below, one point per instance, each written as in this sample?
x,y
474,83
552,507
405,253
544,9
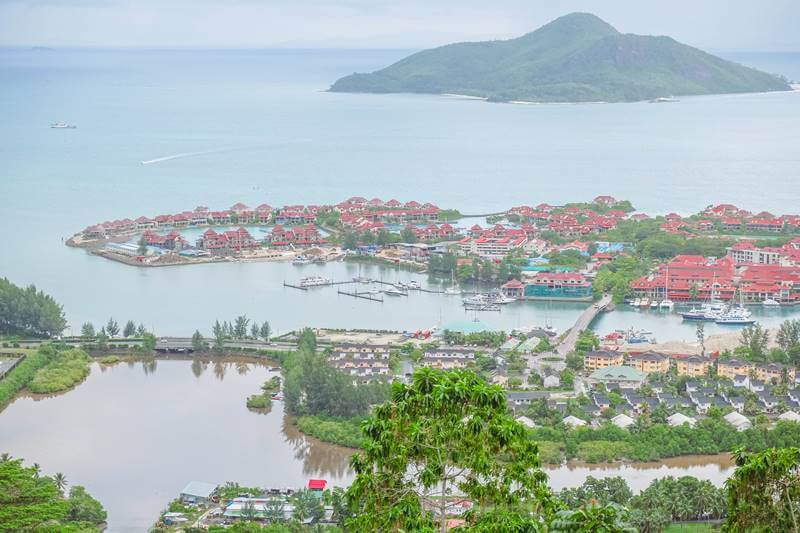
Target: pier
x,y
295,286
589,314
363,295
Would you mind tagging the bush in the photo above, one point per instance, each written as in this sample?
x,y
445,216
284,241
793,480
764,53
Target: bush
x,y
342,431
23,374
259,401
67,369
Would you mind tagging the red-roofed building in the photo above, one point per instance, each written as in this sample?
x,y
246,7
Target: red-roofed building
x,y
513,289
605,200
317,484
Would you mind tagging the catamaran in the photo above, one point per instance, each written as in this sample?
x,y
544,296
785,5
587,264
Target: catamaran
x,y
315,281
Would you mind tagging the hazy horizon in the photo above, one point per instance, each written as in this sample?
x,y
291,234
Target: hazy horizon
x,y
714,25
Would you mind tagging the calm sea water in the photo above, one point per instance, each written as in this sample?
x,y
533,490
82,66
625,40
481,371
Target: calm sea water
x,y
257,126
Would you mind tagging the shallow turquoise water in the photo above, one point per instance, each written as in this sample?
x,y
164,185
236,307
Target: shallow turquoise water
x,y
258,128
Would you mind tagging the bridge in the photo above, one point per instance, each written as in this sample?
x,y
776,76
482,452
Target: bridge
x,y
590,313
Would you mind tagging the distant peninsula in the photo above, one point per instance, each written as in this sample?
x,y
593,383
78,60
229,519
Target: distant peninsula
x,y
575,58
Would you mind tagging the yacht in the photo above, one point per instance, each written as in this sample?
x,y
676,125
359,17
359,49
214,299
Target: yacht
x,y
413,285
737,316
62,126
315,281
452,291
637,302
667,304
475,300
395,291
700,313
644,302
769,302
654,304
301,260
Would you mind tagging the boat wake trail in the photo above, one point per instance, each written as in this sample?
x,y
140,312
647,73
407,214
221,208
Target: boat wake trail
x,y
182,155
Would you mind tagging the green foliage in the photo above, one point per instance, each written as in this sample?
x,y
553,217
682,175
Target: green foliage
x,y
448,215
87,330
342,431
313,387
84,508
454,429
603,491
682,499
754,339
198,342
23,373
491,339
657,441
616,276
611,518
129,330
764,491
586,342
31,502
65,370
259,401
29,312
576,58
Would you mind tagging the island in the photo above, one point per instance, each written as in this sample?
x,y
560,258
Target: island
x,y
575,58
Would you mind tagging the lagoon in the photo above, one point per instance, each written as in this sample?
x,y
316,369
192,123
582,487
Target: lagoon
x,y
136,433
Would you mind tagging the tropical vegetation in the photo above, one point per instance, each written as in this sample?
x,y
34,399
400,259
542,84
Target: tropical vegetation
x,y
30,501
29,312
577,57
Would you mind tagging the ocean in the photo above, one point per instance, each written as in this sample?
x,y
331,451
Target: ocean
x,y
218,127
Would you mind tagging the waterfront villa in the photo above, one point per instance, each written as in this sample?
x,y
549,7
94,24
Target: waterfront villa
x,y
558,286
227,241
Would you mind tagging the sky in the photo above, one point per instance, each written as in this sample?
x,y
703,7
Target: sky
x,y
719,25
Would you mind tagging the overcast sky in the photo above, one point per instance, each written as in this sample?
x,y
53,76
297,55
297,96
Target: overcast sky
x,y
724,25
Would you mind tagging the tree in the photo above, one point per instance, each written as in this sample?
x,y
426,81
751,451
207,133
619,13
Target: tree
x,y
218,331
701,337
140,330
307,505
755,340
587,341
27,501
84,508
198,342
27,311
574,361
129,330
764,490
112,328
407,235
611,518
265,332
240,327
444,432
254,330
87,330
60,481
349,240
603,491
142,248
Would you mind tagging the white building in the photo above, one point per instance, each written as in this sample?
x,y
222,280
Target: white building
x,y
678,419
573,421
791,416
622,421
738,421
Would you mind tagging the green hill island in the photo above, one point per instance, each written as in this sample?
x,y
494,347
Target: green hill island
x,y
575,58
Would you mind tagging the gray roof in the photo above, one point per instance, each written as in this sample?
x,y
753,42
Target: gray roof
x,y
199,489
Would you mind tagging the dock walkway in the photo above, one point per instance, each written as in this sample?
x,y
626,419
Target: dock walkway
x,y
584,320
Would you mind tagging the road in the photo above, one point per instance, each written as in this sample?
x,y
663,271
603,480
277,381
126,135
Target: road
x,y
589,314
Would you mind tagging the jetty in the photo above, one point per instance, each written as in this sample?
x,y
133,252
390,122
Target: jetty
x,y
589,314
362,295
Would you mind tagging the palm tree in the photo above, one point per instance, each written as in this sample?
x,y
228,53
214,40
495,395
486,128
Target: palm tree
x,y
36,469
5,457
60,480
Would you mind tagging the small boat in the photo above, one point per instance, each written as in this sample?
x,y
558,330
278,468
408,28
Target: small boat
x,y
667,304
645,302
301,260
452,291
664,100
62,126
637,302
276,397
769,302
654,304
413,285
395,291
315,281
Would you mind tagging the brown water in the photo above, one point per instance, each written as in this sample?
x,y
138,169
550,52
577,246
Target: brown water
x,y
136,433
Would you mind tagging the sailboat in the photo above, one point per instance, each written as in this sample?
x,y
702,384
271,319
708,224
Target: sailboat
x,y
666,303
453,289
